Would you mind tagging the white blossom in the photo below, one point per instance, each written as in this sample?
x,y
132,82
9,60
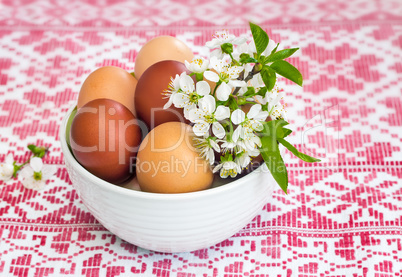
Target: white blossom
x,y
187,98
227,75
197,65
221,38
208,114
243,158
35,175
173,88
207,147
275,107
7,168
231,146
227,168
247,125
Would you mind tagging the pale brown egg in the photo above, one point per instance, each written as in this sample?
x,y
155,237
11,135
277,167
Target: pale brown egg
x,y
167,162
109,82
104,138
159,49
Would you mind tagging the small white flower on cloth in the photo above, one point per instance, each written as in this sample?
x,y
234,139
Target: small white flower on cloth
x,y
7,168
35,175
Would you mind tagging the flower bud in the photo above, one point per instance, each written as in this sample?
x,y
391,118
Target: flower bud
x,y
241,100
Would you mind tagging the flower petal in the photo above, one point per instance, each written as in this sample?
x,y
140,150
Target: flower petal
x,y
188,108
212,43
261,116
223,92
188,65
234,71
236,133
26,172
6,171
217,53
48,171
256,125
211,76
196,115
211,156
180,99
168,103
9,159
254,110
201,128
222,112
218,130
36,164
229,165
260,99
214,145
216,168
238,116
186,84
207,104
203,88
237,83
239,40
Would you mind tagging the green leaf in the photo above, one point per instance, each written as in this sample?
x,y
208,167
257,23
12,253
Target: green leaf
x,y
279,123
251,60
260,38
37,151
250,91
288,71
296,152
270,153
268,76
286,132
280,55
274,50
32,147
262,91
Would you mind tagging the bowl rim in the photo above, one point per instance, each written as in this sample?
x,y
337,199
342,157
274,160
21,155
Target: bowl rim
x,y
68,156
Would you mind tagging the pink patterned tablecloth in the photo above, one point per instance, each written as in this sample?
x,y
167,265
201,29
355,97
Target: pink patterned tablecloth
x,y
342,217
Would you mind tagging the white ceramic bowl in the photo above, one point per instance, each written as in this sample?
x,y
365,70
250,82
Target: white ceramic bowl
x,y
170,222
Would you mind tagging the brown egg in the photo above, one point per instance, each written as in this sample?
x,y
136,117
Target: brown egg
x,y
159,49
149,98
167,162
109,82
104,138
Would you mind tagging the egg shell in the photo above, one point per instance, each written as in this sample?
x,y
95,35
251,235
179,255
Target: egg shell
x,y
159,49
149,98
109,82
167,161
104,138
